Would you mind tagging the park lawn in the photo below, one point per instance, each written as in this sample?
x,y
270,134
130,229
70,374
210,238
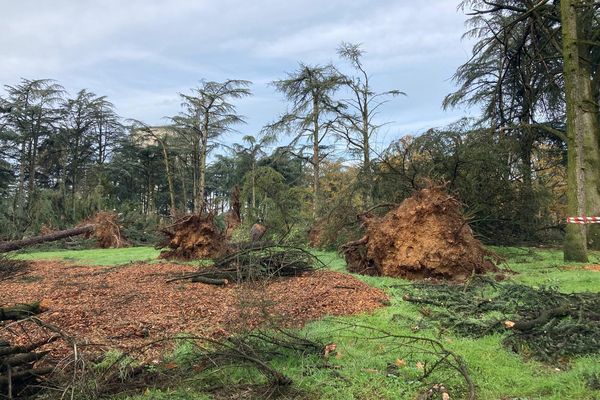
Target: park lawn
x,y
95,256
361,363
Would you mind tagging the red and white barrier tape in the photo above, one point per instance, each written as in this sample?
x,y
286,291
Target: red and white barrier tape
x,y
583,220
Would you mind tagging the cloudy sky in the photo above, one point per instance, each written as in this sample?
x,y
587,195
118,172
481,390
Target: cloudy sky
x,y
141,53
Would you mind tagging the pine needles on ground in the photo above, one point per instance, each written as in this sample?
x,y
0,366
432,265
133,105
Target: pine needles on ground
x,y
540,323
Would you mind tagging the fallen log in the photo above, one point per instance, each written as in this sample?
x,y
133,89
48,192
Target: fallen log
x,y
209,281
50,237
103,227
20,311
26,375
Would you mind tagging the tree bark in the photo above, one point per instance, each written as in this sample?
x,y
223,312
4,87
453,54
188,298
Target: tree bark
x,y
575,245
171,188
19,244
20,311
588,108
315,159
202,178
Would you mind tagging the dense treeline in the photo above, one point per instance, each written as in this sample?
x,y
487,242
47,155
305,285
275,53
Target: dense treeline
x,y
62,156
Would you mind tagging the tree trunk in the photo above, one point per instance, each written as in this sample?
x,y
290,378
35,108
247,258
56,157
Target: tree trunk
x,y
195,169
315,159
173,207
19,244
591,144
575,246
20,311
201,178
253,184
527,207
368,184
183,185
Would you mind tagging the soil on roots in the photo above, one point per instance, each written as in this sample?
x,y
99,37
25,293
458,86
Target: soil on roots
x,y
425,237
193,237
107,230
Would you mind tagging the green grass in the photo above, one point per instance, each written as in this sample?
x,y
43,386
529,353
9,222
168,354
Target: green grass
x,y
360,371
497,372
95,256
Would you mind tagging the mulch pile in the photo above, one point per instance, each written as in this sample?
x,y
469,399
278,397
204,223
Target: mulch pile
x,y
425,237
193,237
129,306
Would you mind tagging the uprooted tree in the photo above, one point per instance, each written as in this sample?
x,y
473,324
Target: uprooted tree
x,y
193,237
426,236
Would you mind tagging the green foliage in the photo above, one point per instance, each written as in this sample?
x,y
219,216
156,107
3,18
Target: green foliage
x,y
474,164
278,206
549,325
140,228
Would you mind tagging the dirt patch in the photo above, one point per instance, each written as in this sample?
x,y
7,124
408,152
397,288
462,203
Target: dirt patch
x,y
593,267
193,237
426,236
130,306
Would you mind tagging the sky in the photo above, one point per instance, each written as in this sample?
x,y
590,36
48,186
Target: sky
x,y
142,53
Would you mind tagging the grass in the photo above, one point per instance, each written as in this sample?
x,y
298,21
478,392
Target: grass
x,y
95,256
360,366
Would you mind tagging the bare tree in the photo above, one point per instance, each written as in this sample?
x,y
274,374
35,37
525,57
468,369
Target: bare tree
x,y
357,124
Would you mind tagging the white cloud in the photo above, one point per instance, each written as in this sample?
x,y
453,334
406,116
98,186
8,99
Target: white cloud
x,y
143,52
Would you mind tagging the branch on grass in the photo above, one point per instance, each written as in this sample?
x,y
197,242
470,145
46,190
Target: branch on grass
x,y
445,357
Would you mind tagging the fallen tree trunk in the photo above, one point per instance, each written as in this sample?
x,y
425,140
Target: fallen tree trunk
x,y
20,311
19,244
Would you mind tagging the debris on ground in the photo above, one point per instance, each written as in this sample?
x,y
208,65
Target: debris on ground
x,y
589,267
256,264
193,237
541,323
427,236
10,267
20,367
127,306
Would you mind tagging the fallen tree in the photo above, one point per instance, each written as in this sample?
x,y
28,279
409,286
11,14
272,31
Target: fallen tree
x,y
425,236
51,237
103,227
